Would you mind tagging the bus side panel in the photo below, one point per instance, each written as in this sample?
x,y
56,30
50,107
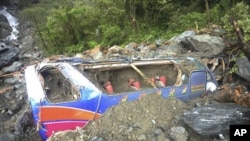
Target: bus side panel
x,y
197,83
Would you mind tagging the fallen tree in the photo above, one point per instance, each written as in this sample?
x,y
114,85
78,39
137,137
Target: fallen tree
x,y
243,46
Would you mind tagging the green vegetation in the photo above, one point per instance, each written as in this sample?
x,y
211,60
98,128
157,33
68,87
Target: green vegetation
x,y
72,26
239,12
234,67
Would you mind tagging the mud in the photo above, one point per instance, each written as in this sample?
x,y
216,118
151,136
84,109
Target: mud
x,y
150,118
119,77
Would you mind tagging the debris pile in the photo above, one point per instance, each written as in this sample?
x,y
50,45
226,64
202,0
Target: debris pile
x,y
234,93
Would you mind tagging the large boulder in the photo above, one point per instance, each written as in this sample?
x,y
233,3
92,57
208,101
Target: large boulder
x,y
243,68
5,30
8,56
185,34
211,45
216,119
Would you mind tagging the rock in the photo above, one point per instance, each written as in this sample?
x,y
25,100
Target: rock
x,y
11,81
146,52
28,42
23,121
2,17
215,119
16,107
3,47
29,51
168,50
8,57
218,31
243,68
211,45
37,54
178,133
161,137
97,139
131,46
117,52
7,95
2,112
141,137
20,92
5,30
185,34
158,131
7,137
158,42
79,55
114,49
95,53
12,68
10,112
26,55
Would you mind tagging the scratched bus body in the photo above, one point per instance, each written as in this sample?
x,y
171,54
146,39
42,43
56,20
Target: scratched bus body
x,y
70,92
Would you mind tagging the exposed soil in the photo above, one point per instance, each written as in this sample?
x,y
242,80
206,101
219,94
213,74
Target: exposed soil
x,y
150,118
119,77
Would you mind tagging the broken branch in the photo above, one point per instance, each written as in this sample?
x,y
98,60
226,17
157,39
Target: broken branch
x,y
6,89
9,74
243,46
143,75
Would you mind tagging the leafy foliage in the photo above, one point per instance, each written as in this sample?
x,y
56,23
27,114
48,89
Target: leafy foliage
x,y
187,21
71,26
240,13
234,68
112,34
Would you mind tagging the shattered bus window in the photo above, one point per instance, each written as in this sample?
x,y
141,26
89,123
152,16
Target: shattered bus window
x,y
57,87
126,79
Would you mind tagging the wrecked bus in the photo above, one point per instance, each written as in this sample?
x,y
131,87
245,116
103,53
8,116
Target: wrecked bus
x,y
69,92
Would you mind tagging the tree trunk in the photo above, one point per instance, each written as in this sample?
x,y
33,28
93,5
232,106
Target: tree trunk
x,y
245,47
207,11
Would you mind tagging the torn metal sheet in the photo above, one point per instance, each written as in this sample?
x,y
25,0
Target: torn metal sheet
x,y
69,92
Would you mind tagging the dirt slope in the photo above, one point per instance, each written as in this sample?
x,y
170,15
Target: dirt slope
x,y
151,118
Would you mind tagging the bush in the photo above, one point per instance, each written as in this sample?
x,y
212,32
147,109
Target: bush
x,y
180,23
239,13
112,34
